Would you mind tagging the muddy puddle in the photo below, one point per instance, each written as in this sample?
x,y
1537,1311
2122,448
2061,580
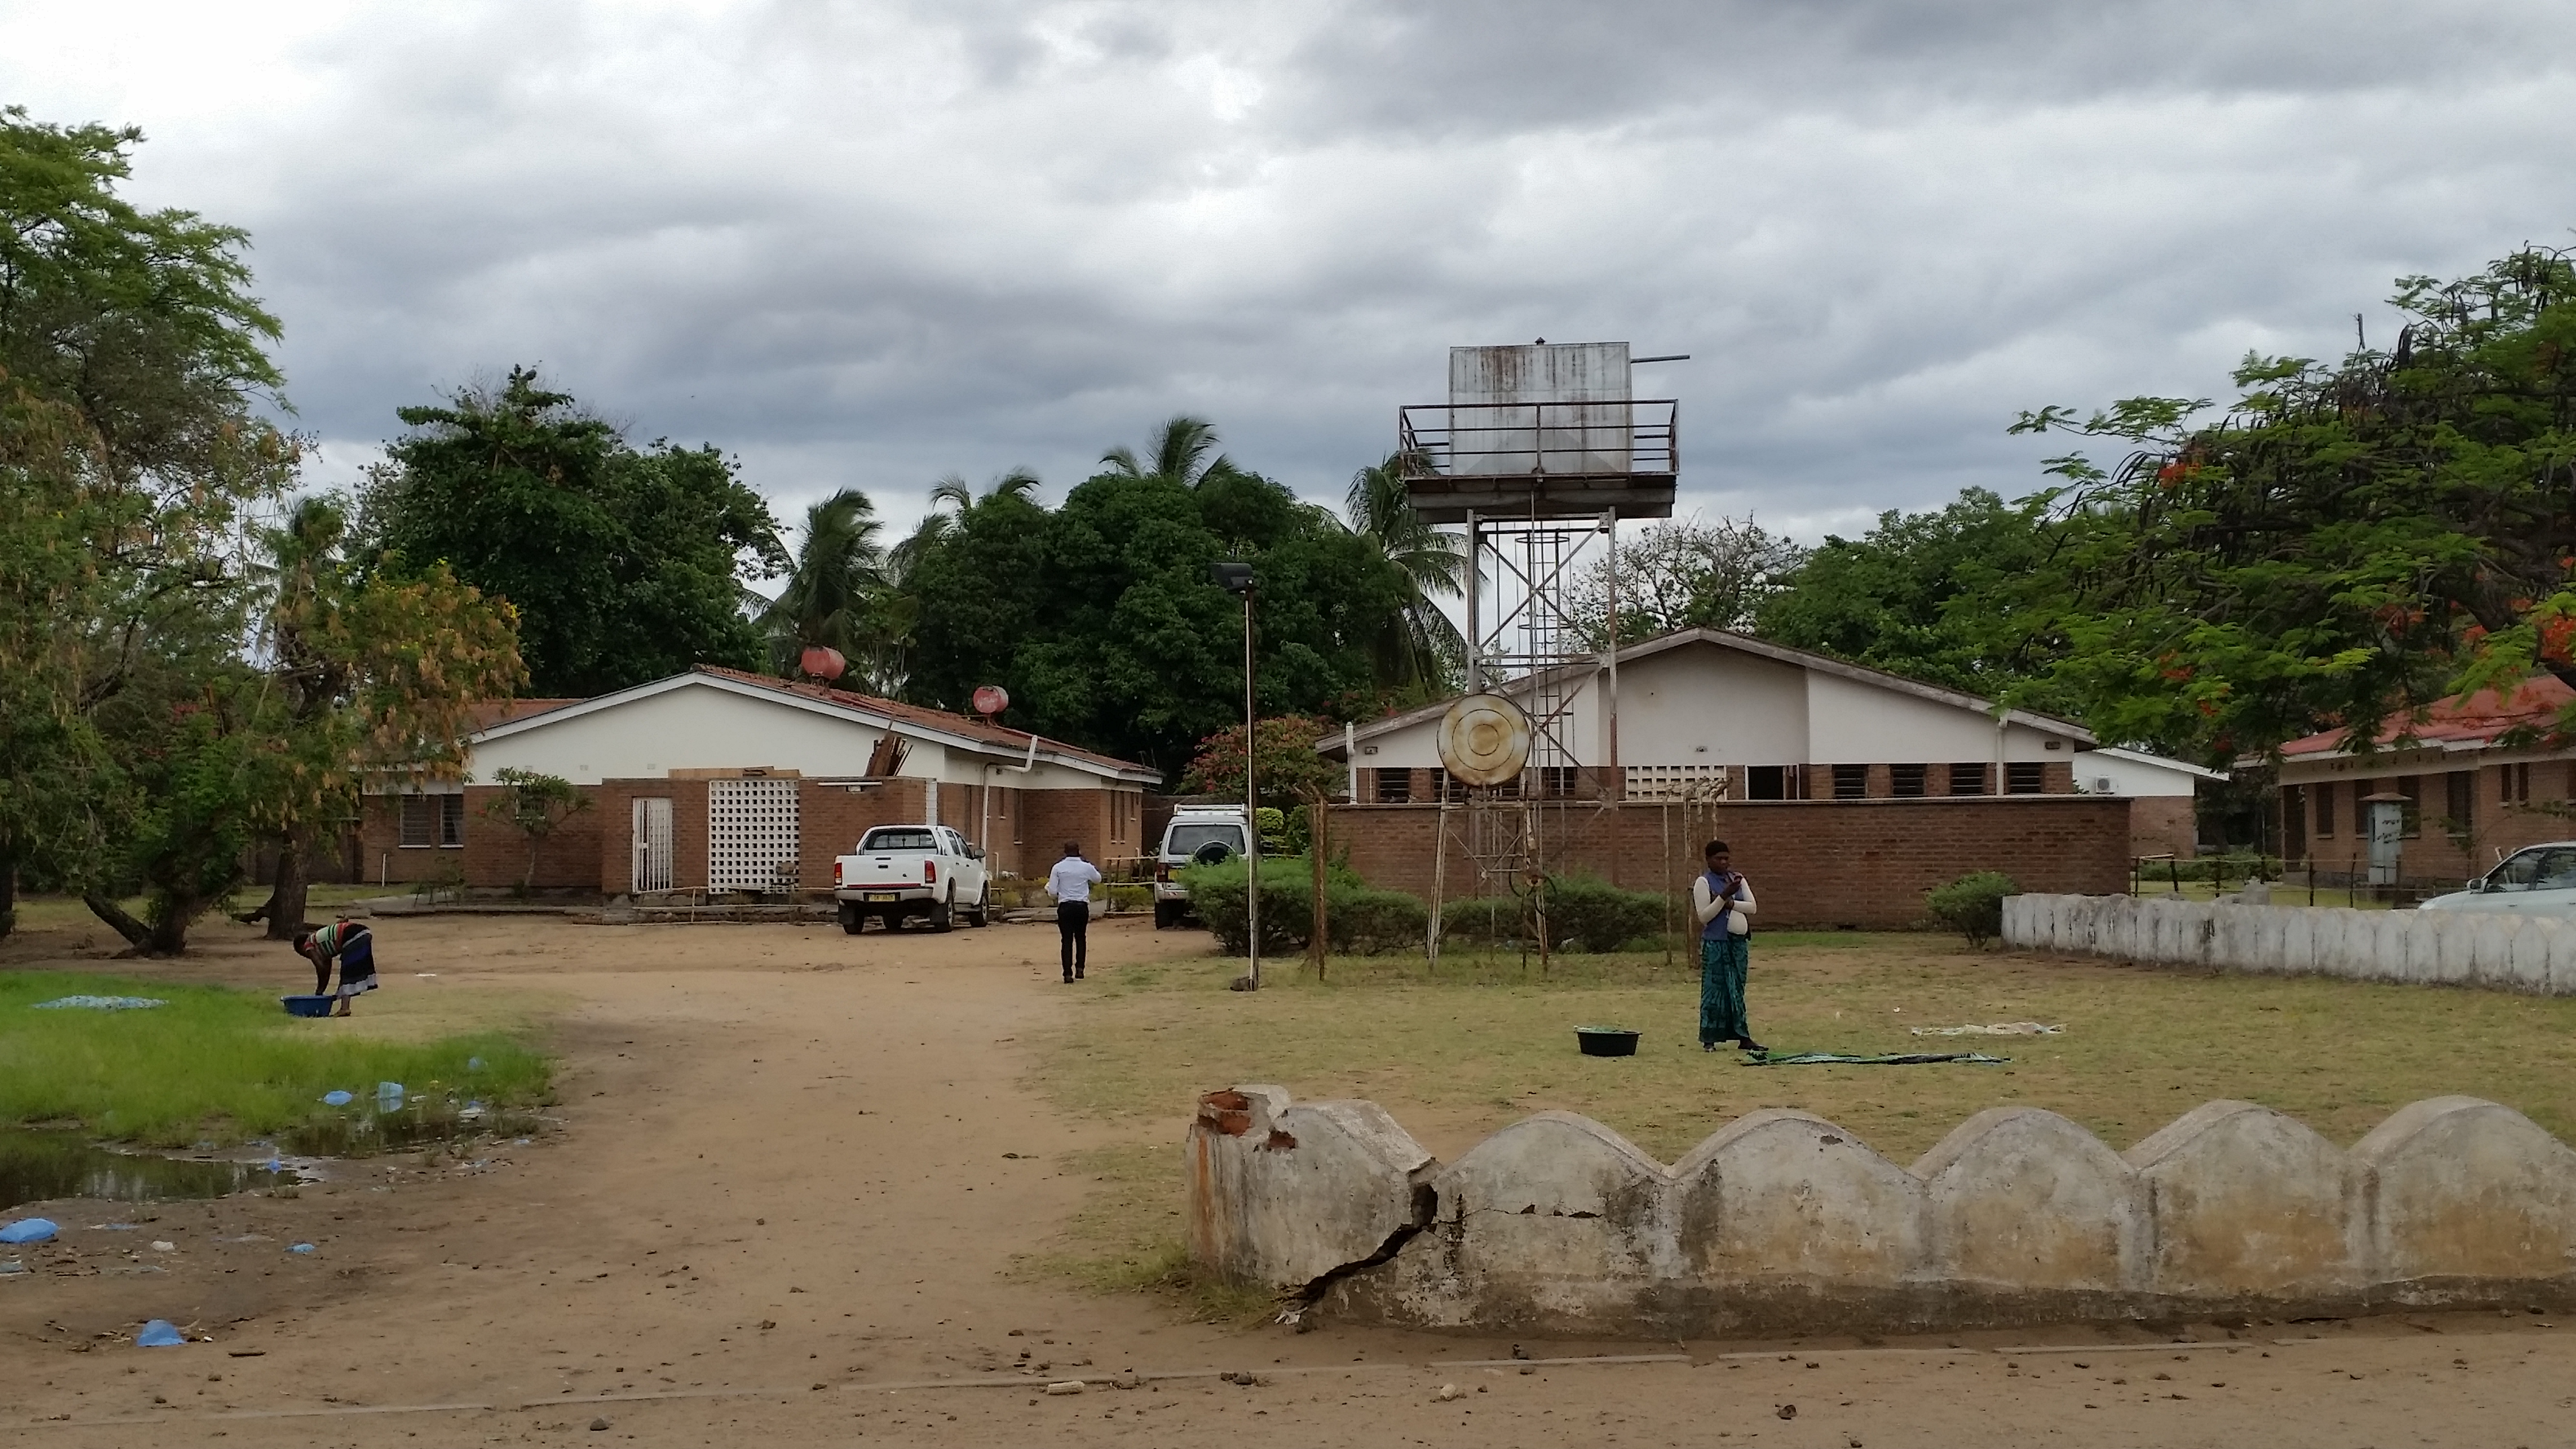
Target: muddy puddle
x,y
40,1165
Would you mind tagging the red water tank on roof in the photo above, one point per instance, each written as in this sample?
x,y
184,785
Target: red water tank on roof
x,y
823,663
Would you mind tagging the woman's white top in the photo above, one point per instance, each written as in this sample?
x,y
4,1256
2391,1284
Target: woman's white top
x,y
1704,904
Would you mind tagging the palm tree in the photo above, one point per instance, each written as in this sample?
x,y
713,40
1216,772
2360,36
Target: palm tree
x,y
1180,453
1419,652
951,502
836,594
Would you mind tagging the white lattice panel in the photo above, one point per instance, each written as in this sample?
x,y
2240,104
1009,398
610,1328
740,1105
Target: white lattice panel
x,y
1676,782
751,835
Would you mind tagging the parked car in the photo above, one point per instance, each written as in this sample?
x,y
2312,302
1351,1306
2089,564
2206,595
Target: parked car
x,y
1198,835
912,870
2539,880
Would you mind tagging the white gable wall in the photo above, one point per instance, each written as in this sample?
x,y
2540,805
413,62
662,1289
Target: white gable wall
x,y
1699,705
1704,704
699,726
2132,777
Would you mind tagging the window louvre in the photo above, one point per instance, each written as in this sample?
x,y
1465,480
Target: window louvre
x,y
1906,782
1968,779
1394,786
417,822
451,821
2025,777
1851,782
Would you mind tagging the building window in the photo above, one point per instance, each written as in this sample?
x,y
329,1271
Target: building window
x,y
1766,782
2460,799
1556,782
2514,785
1906,782
1851,782
1968,779
2025,777
1394,787
1452,788
2412,787
433,820
2325,795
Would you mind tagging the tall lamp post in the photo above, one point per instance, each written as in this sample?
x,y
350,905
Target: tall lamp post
x,y
1237,579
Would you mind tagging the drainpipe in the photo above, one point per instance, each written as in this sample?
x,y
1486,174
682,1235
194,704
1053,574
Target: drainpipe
x,y
984,827
1351,757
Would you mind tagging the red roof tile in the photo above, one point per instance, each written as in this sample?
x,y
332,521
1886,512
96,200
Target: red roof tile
x,y
2477,719
937,719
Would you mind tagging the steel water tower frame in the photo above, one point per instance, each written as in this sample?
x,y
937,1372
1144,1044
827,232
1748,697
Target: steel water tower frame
x,y
1540,451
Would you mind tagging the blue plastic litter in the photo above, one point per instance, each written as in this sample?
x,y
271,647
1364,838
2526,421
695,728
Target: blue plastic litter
x,y
100,1003
29,1230
389,1096
160,1333
473,1064
301,1248
338,1099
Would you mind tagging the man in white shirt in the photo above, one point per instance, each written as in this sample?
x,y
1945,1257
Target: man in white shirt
x,y
1070,883
1722,903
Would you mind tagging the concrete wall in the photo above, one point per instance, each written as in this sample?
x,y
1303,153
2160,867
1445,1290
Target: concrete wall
x,y
1783,1222
1863,863
2500,949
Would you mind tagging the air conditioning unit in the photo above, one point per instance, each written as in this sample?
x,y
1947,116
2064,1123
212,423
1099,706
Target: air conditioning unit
x,y
2102,785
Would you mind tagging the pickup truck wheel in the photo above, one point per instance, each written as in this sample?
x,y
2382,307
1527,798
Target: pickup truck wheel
x,y
943,916
852,921
982,915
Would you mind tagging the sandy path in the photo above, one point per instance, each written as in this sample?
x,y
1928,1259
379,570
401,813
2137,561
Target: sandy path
x,y
785,1188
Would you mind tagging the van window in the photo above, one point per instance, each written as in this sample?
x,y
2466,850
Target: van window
x,y
898,837
1186,839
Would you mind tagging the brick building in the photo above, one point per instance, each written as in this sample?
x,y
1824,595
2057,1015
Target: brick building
x,y
2481,777
1847,790
724,780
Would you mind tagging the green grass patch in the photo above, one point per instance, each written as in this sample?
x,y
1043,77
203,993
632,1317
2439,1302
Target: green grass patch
x,y
219,1064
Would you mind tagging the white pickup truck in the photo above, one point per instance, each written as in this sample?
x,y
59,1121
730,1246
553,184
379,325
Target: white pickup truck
x,y
912,870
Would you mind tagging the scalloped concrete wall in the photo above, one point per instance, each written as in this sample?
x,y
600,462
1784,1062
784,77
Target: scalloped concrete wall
x,y
2501,951
1783,1222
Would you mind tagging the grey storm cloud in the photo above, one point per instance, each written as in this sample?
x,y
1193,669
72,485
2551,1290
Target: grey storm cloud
x,y
874,244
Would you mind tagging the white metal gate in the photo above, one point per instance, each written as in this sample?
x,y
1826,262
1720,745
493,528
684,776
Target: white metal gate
x,y
652,843
751,835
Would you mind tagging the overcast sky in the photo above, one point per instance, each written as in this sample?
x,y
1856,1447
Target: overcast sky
x,y
872,244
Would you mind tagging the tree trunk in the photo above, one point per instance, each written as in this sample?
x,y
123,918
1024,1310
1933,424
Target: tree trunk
x,y
285,908
168,938
136,933
8,894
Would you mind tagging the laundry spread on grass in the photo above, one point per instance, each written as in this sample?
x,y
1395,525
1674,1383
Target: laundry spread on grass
x,y
100,1003
1891,1059
2000,1028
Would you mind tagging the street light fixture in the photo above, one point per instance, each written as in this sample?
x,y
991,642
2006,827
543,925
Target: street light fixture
x,y
1237,579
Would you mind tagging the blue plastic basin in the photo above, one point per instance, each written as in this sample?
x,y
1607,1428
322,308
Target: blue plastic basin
x,y
308,1005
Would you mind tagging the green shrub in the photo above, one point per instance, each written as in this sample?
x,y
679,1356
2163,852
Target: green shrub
x,y
1359,920
1583,914
1973,905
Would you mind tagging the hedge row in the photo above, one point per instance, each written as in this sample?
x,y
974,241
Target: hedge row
x,y
1582,914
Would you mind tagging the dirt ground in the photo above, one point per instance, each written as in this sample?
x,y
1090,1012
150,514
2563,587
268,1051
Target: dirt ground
x,y
794,1174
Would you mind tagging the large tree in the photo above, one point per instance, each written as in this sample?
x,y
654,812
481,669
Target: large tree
x,y
837,595
1921,594
1685,573
2342,544
624,564
1100,618
133,367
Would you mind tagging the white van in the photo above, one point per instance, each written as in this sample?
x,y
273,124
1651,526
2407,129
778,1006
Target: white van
x,y
1198,835
2539,880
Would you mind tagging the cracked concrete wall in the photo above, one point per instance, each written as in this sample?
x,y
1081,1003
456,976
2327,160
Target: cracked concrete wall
x,y
1783,1222
2500,951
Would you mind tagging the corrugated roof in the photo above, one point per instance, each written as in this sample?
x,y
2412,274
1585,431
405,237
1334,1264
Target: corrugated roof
x,y
2462,719
489,712
999,736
